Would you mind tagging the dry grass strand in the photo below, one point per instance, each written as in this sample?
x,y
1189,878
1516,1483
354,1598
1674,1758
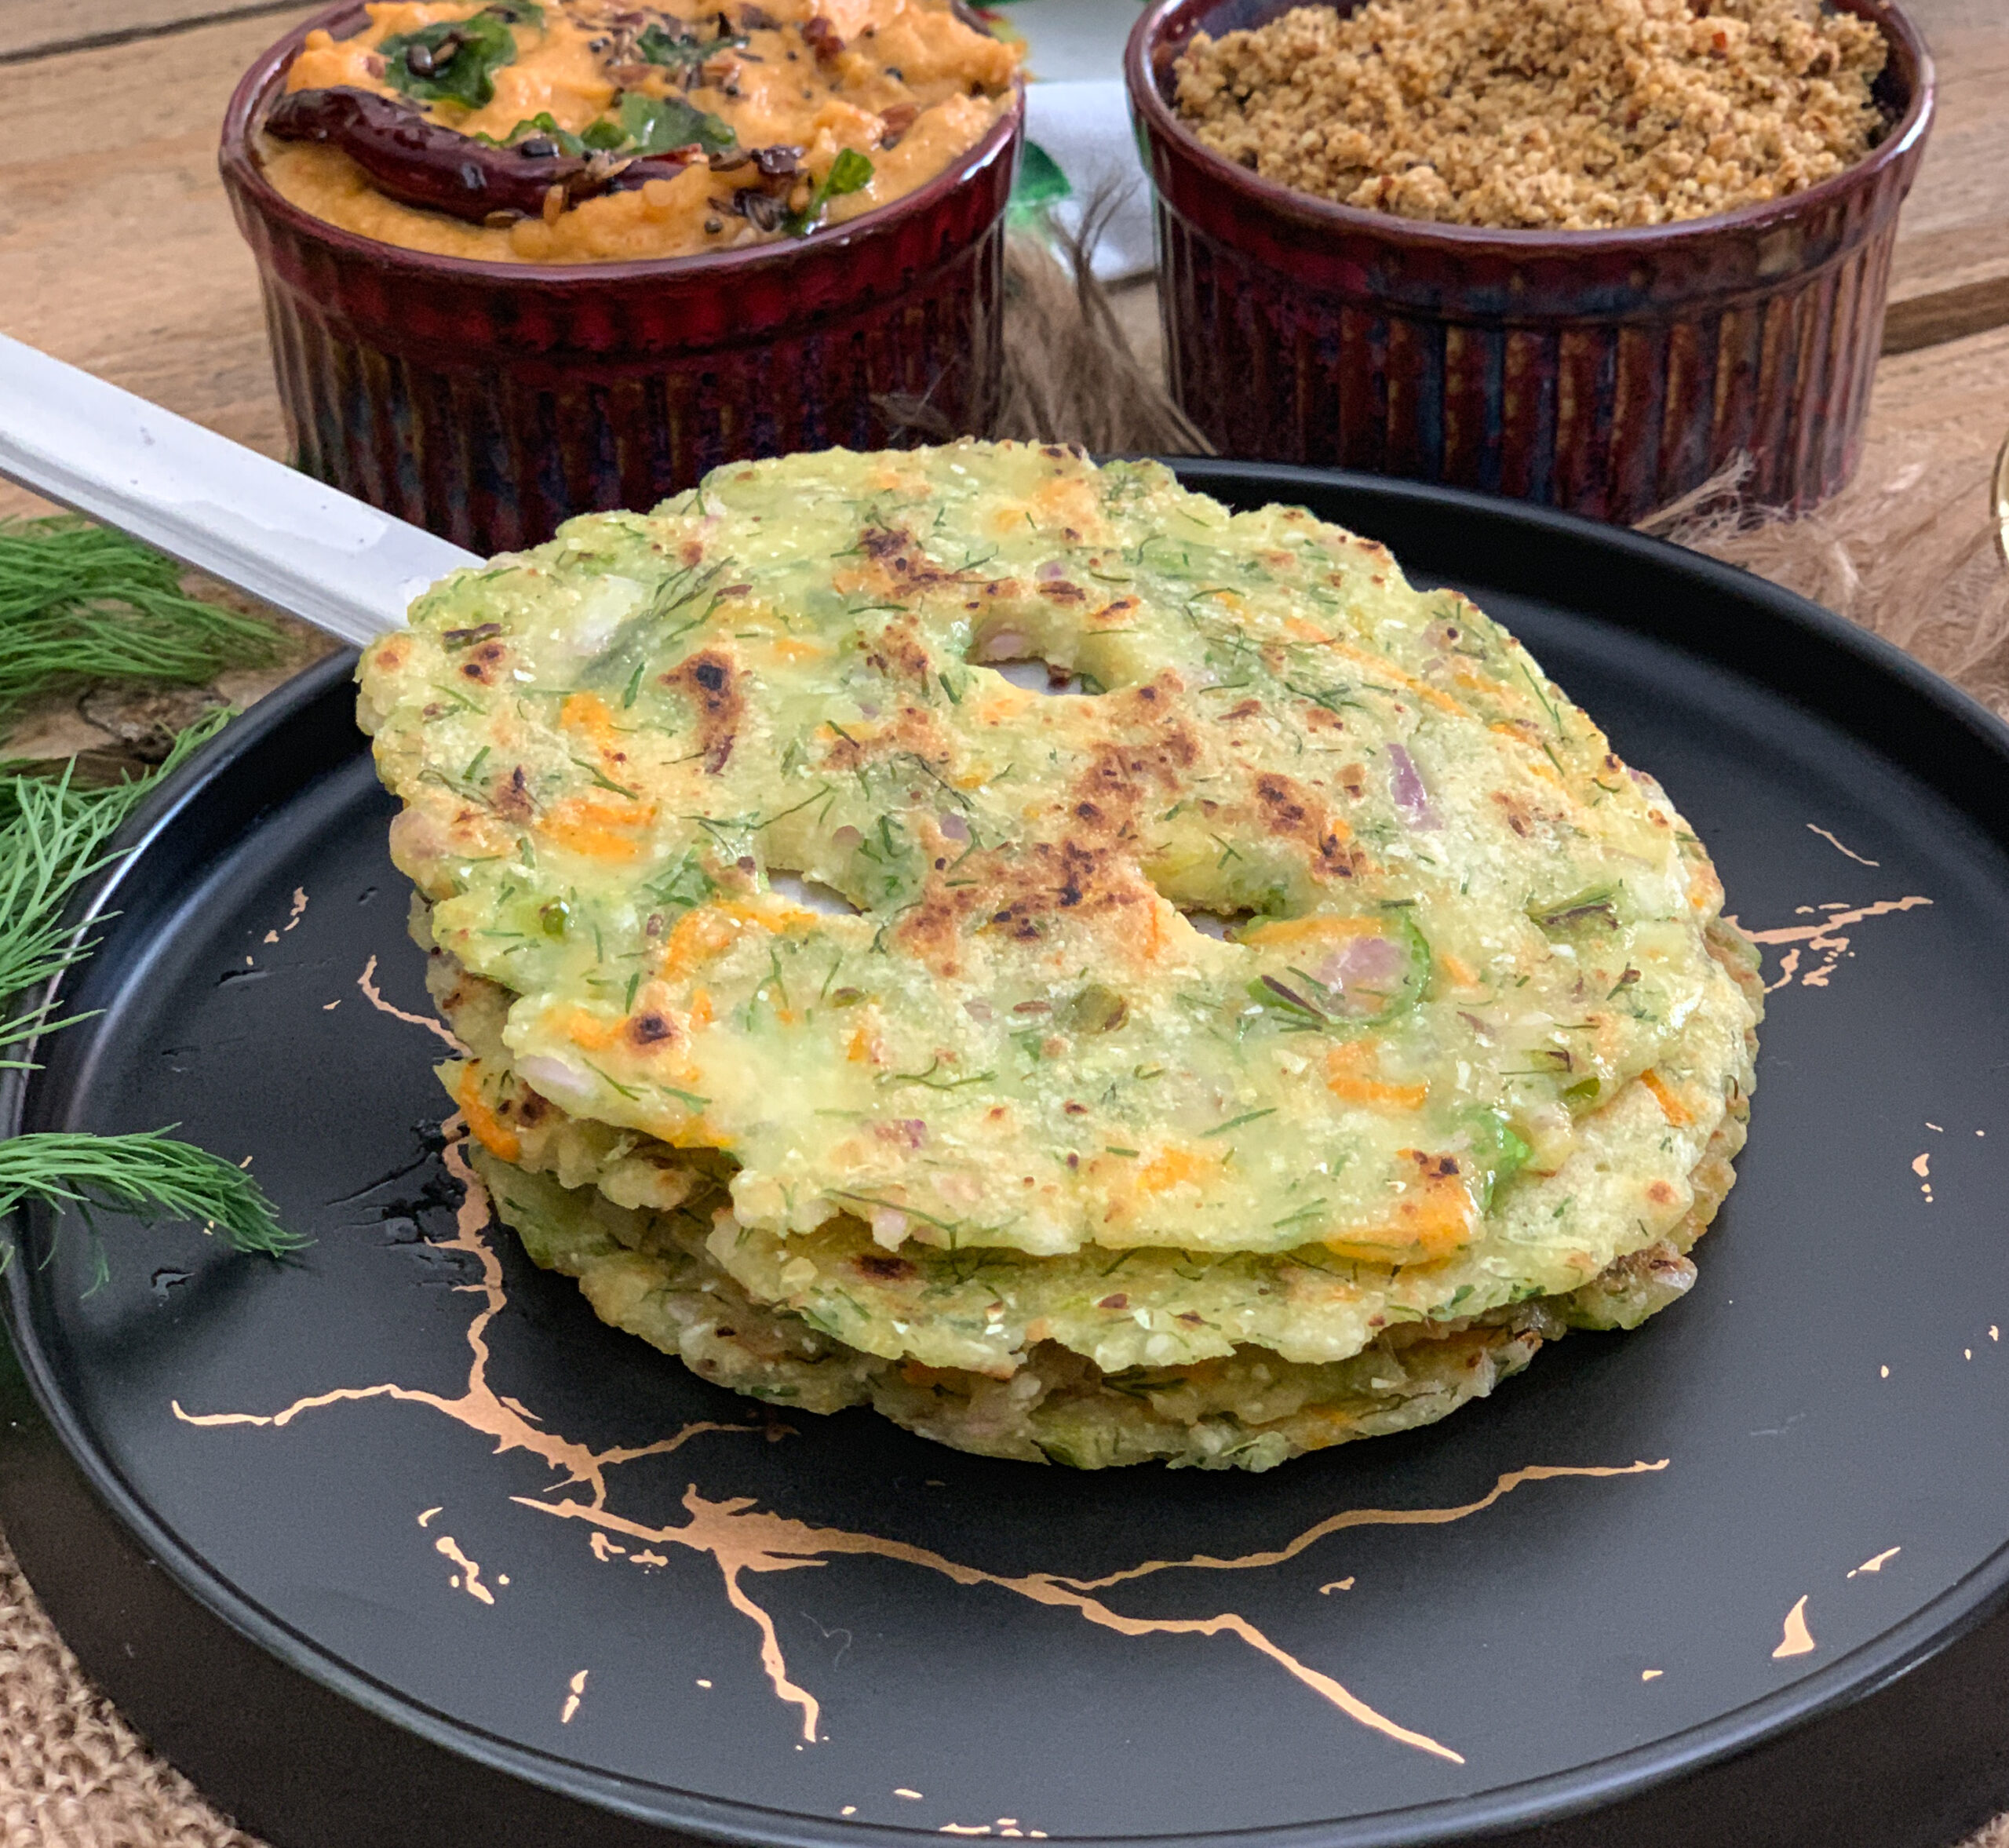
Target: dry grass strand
x,y
1071,373
1906,550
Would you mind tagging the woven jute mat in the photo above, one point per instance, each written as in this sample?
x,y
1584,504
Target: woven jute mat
x,y
1907,550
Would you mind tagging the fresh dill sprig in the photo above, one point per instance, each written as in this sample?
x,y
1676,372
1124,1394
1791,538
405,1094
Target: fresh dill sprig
x,y
54,836
79,603
142,1175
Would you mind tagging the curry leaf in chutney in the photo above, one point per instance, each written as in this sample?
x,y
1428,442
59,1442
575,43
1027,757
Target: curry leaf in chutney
x,y
451,60
544,124
656,124
658,46
850,172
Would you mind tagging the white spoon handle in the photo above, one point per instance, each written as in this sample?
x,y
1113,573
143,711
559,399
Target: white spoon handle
x,y
257,525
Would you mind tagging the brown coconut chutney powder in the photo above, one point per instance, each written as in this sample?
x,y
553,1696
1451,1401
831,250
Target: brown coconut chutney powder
x,y
1556,115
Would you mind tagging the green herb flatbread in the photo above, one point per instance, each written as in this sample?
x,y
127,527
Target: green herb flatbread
x,y
1306,967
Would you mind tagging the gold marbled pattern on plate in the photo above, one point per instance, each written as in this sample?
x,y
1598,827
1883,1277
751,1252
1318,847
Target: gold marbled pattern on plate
x,y
747,1543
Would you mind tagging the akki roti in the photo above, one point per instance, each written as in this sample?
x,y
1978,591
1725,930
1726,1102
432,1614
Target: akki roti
x,y
1268,1036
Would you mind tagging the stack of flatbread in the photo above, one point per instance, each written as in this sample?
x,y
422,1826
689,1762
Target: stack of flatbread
x,y
1264,1028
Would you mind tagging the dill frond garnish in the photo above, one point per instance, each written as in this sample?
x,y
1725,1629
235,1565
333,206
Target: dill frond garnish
x,y
143,1174
53,835
81,602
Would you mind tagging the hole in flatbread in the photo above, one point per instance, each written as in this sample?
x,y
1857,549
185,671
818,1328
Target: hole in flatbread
x,y
1015,654
1221,895
1220,924
1040,677
811,892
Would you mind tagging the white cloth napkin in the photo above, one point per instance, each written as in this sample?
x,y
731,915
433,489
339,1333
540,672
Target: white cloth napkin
x,y
1077,111
1085,127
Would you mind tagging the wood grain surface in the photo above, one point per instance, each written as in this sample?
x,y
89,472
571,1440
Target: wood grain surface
x,y
117,250
42,28
1950,276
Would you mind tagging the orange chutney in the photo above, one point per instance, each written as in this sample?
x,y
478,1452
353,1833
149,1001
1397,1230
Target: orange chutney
x,y
873,99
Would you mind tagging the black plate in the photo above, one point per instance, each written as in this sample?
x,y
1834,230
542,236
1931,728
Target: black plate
x,y
1809,1449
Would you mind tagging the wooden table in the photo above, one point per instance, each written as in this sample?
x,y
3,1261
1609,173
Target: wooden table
x,y
117,252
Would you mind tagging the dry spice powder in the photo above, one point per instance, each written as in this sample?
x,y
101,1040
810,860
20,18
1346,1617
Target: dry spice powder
x,y
1555,115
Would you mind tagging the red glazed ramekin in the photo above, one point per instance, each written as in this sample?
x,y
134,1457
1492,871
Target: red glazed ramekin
x,y
489,401
1608,372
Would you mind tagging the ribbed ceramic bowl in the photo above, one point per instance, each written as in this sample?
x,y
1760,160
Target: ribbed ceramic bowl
x,y
1607,372
489,401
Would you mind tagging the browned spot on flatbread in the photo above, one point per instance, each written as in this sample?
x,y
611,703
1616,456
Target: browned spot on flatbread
x,y
512,797
1121,772
931,931
1068,879
485,662
896,568
1143,702
1091,871
884,1267
898,651
1516,811
1016,891
710,681
1287,810
912,731
1659,1263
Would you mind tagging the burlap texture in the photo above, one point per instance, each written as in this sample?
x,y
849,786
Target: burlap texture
x,y
1907,550
72,1774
